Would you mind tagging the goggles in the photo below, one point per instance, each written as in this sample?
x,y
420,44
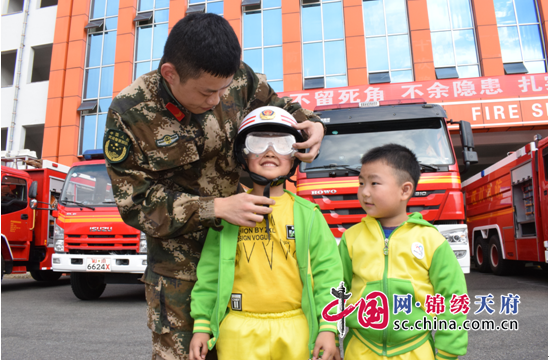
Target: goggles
x,y
258,143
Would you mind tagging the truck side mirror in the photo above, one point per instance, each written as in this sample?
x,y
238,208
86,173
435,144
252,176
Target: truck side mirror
x,y
55,214
33,204
466,134
33,190
469,155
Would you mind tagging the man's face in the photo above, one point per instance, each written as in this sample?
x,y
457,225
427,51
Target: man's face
x,y
201,94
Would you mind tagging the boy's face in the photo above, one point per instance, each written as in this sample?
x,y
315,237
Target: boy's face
x,y
380,193
270,165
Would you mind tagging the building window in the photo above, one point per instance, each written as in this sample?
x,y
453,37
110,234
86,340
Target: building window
x,y
99,71
34,137
210,6
453,39
262,40
12,7
387,41
8,67
4,138
41,63
46,3
520,35
152,33
323,38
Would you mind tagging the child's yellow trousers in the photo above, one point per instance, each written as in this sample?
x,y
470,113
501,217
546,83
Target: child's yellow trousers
x,y
269,336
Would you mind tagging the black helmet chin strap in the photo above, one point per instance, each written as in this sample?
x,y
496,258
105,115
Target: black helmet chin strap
x,y
260,180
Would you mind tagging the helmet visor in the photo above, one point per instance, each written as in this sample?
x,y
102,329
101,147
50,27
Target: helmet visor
x,y
259,142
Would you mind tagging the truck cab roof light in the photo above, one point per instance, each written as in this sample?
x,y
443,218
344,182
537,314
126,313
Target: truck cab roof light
x,y
402,102
336,106
96,154
370,104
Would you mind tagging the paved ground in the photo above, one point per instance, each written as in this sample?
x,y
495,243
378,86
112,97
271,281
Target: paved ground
x,y
530,341
48,322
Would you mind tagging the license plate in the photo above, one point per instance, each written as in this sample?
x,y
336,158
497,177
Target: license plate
x,y
98,264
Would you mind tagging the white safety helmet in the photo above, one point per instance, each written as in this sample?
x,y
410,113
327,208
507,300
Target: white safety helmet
x,y
270,120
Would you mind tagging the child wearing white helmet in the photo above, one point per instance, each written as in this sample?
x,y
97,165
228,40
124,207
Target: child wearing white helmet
x,y
254,298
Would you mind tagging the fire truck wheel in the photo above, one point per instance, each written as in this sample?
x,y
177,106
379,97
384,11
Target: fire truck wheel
x,y
45,275
87,286
480,257
498,265
3,267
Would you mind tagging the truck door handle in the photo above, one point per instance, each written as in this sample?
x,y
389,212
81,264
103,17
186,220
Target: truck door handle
x,y
24,216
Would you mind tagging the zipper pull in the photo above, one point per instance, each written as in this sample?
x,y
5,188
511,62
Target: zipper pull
x,y
386,248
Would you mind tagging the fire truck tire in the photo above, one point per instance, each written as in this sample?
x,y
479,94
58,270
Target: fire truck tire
x,y
480,258
87,286
3,267
498,265
45,275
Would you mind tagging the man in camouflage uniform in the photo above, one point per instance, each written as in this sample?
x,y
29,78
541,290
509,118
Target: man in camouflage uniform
x,y
169,150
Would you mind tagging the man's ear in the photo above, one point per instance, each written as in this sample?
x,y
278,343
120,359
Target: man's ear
x,y
407,190
169,73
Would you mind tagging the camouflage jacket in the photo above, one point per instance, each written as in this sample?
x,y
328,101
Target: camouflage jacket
x,y
166,172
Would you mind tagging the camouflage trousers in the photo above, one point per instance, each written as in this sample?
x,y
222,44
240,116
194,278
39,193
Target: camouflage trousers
x,y
168,316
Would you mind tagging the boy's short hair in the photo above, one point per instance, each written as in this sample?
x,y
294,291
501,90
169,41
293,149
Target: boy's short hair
x,y
203,43
399,158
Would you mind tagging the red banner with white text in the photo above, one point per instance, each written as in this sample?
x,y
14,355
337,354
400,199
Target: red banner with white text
x,y
486,102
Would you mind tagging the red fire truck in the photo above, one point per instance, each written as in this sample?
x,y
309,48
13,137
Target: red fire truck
x,y
331,180
507,211
27,222
91,240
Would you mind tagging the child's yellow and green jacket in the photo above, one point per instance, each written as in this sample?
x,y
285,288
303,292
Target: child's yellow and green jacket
x,y
419,261
319,268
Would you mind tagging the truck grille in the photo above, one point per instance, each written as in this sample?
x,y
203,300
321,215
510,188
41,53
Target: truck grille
x,y
360,211
346,197
356,211
71,236
411,209
101,252
337,197
346,225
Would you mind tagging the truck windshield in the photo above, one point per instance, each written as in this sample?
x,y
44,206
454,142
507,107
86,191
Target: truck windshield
x,y
344,144
14,194
88,185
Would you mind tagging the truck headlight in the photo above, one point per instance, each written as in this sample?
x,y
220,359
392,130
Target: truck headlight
x,y
458,236
142,243
58,238
59,246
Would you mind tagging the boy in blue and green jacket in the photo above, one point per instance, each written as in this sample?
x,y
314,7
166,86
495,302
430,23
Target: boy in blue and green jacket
x,y
397,254
261,290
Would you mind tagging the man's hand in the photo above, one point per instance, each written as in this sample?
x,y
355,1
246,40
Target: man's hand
x,y
315,131
199,346
242,209
326,341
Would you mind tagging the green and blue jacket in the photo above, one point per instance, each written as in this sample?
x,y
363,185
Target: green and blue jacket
x,y
415,259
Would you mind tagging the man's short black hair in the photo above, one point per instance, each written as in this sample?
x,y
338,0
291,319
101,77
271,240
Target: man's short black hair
x,y
399,158
201,43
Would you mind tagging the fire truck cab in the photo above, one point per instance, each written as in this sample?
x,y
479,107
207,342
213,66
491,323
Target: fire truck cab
x,y
92,242
29,195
